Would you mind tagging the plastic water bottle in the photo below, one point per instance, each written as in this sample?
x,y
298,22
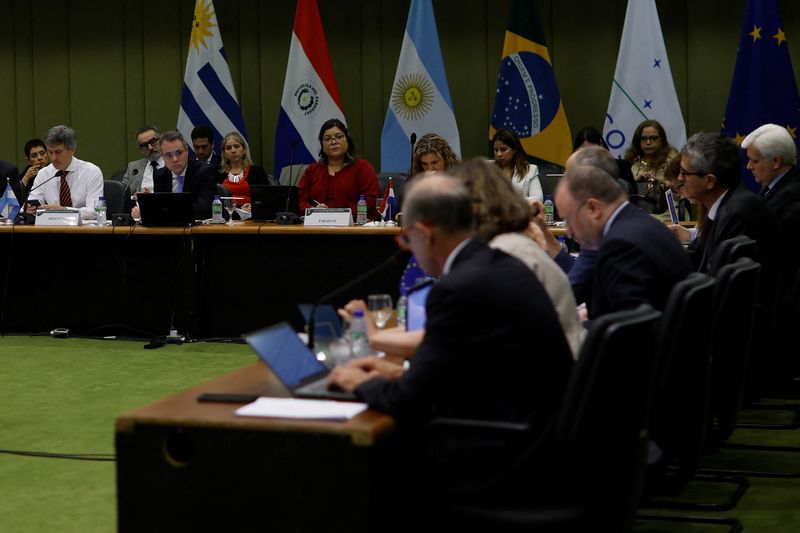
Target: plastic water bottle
x,y
357,335
361,211
548,210
402,306
100,211
216,211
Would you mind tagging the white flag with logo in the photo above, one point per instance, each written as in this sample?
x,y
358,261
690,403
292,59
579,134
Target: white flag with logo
x,y
642,88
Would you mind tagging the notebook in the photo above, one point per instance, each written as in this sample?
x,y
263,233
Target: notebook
x,y
268,200
293,363
166,208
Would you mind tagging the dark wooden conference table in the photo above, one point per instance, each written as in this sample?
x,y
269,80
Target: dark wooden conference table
x,y
184,465
206,281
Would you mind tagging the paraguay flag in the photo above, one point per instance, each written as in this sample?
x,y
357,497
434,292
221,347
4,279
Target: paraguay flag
x,y
764,89
420,101
527,99
208,96
310,96
9,205
389,203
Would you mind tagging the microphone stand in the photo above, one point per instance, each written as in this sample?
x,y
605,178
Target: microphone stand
x,y
398,257
23,217
413,142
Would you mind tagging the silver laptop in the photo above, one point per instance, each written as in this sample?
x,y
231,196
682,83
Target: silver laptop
x,y
293,363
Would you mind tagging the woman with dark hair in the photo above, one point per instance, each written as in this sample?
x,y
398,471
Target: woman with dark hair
x,y
649,152
432,153
590,136
339,177
510,156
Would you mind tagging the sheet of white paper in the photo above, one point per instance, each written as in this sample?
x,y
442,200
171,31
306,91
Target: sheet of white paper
x,y
299,408
243,215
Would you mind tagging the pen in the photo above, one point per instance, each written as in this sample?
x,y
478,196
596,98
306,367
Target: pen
x,y
315,202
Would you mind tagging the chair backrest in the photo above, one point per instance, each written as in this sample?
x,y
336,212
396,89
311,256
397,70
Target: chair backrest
x,y
731,333
116,194
683,367
602,427
118,174
222,190
291,174
729,250
398,184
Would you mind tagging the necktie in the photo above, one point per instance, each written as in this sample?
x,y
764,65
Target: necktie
x,y
764,192
65,196
180,183
154,164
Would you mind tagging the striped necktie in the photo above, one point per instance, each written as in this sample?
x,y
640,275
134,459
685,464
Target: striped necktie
x,y
65,196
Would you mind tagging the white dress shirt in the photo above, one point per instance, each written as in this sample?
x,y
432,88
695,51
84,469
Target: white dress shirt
x,y
147,175
85,182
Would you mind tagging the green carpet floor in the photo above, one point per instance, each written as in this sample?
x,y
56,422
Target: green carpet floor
x,y
64,396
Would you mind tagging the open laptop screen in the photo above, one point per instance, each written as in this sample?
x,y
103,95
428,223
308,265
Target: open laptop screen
x,y
291,360
415,310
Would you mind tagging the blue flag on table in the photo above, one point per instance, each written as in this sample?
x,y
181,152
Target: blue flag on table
x,y
9,205
420,101
764,89
208,96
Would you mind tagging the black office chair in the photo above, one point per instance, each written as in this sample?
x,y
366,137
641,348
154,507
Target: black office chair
x,y
117,197
730,250
118,174
588,475
398,184
681,405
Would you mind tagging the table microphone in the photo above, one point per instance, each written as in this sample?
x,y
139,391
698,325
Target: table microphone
x,y
413,142
399,257
23,217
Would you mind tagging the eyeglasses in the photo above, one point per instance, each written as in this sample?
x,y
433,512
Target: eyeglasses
x,y
147,144
174,155
649,138
683,172
329,140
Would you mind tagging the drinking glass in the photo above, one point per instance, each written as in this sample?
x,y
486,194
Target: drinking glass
x,y
230,205
380,307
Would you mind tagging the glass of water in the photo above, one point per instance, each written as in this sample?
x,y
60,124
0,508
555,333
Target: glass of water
x,y
380,308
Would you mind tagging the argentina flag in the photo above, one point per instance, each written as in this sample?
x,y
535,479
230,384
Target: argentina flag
x,y
208,96
420,100
9,205
642,88
310,96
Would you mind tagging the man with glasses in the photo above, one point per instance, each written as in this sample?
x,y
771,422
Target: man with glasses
x,y
493,346
638,261
181,175
139,174
67,181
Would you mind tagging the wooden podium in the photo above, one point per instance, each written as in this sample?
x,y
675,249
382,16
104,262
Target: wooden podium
x,y
184,465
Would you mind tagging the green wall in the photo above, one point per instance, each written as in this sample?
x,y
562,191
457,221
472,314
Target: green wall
x,y
108,67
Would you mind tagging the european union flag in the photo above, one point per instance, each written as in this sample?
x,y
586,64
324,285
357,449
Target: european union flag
x,y
764,88
527,99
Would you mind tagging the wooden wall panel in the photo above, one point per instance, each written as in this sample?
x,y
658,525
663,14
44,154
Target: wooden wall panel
x,y
108,68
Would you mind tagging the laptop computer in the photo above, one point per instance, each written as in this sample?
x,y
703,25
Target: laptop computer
x,y
327,323
415,305
268,200
166,209
293,363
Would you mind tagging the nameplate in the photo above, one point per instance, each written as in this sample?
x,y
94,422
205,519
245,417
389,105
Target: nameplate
x,y
59,217
334,216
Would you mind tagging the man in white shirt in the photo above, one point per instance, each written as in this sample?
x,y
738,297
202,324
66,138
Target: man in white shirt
x,y
67,181
139,175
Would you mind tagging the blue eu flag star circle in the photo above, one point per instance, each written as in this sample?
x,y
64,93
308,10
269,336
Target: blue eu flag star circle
x,y
527,98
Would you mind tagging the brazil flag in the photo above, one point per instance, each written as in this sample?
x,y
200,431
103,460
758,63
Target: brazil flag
x,y
527,99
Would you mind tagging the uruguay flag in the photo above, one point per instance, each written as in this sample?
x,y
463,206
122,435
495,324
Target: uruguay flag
x,y
420,101
9,205
642,88
389,203
208,95
310,96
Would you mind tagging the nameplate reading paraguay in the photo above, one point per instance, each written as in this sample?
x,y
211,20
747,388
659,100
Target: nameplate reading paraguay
x,y
334,216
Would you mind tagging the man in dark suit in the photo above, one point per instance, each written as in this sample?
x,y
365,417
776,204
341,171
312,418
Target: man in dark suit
x,y
493,347
203,146
182,175
638,260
